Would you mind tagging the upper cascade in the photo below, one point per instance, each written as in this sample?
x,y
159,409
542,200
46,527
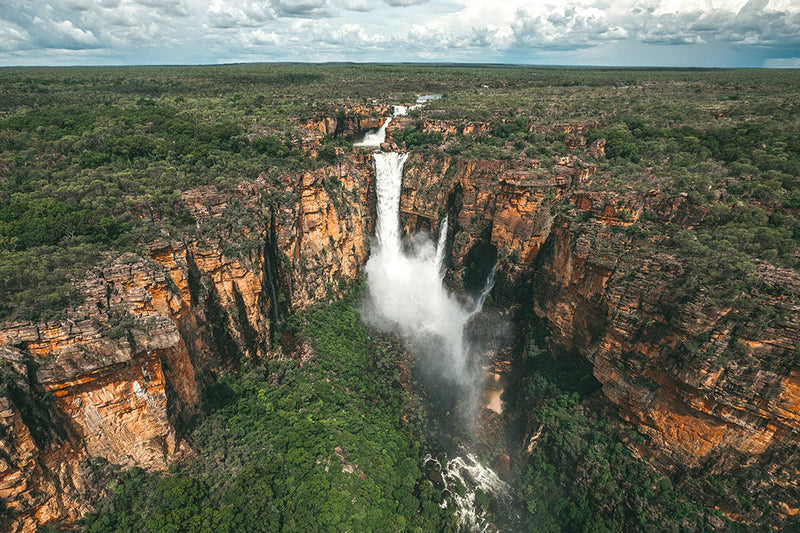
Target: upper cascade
x,y
441,246
374,139
389,172
402,110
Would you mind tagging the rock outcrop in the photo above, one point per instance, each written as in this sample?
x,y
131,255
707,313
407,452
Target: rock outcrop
x,y
704,380
111,382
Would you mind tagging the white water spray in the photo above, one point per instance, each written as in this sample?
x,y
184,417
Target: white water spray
x,y
441,245
403,110
374,139
487,288
470,474
406,291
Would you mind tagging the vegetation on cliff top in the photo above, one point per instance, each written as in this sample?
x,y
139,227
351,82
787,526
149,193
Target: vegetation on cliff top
x,y
97,158
705,164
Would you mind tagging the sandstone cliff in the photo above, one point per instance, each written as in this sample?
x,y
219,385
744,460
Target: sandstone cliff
x,y
112,380
708,383
711,384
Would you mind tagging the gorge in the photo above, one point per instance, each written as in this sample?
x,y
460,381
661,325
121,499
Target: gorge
x,y
688,335
406,296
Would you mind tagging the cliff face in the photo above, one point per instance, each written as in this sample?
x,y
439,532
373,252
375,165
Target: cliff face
x,y
92,387
618,306
710,384
348,121
667,360
711,388
112,380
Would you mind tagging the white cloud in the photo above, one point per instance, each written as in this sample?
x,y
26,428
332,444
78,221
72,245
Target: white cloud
x,y
68,30
12,37
223,14
62,34
78,5
261,37
176,8
358,5
395,30
303,8
404,3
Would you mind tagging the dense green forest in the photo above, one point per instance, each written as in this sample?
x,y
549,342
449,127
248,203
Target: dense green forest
x,y
581,476
94,159
332,446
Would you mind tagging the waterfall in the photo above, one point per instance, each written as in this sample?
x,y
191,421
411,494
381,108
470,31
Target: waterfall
x,y
373,139
389,166
441,245
406,291
487,288
407,296
402,110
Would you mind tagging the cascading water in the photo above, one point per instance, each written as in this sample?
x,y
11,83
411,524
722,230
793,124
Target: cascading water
x,y
402,110
487,288
406,290
374,139
469,474
440,248
407,296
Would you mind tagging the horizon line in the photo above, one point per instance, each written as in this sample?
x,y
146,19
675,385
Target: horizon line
x,y
402,63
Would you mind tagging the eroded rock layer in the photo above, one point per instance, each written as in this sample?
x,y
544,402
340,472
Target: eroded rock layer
x,y
705,381
111,380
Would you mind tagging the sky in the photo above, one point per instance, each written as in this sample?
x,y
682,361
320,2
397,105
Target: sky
x,y
694,33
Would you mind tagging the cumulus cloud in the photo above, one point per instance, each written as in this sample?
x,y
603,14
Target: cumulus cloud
x,y
68,34
358,5
303,8
403,3
569,28
176,8
12,37
392,30
223,14
586,23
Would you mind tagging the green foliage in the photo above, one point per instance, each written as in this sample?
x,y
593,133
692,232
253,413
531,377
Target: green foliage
x,y
277,441
97,158
415,138
620,143
579,476
45,222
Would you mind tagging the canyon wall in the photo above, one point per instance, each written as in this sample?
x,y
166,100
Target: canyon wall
x,y
712,383
111,382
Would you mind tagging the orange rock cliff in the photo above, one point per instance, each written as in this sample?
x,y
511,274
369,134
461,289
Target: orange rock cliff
x,y
110,382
